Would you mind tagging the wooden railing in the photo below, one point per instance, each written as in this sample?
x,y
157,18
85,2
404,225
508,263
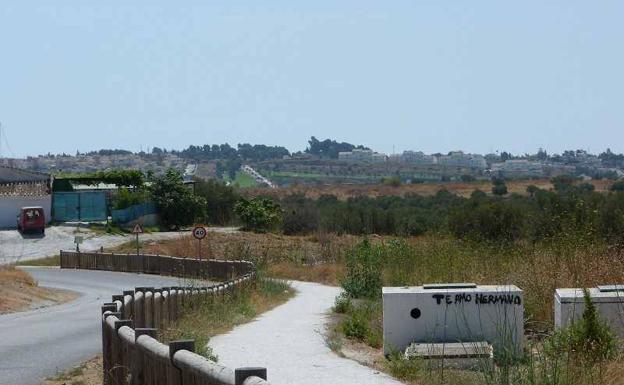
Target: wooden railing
x,y
131,352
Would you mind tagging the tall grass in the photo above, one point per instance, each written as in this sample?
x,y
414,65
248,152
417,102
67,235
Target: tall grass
x,y
583,354
202,320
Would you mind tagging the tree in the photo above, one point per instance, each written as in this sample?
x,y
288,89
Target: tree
x,y
617,186
258,214
177,204
329,148
499,187
532,189
220,200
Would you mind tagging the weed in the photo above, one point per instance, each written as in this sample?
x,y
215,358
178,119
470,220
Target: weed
x,y
342,304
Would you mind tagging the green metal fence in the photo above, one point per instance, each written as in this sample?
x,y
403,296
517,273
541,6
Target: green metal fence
x,y
79,206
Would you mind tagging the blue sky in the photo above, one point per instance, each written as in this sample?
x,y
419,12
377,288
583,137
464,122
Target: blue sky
x,y
425,75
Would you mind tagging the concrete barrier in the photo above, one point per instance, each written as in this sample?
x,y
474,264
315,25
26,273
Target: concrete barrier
x,y
131,354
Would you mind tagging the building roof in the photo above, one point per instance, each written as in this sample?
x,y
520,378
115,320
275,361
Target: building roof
x,y
16,175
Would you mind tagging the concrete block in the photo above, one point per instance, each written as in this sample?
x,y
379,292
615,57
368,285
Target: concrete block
x,y
457,355
609,302
447,313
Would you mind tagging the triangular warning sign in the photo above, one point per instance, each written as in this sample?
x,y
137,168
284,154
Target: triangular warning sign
x,y
137,229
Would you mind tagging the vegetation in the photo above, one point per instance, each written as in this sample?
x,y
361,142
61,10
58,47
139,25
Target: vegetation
x,y
204,320
244,151
177,205
584,353
124,197
220,200
125,178
258,214
329,148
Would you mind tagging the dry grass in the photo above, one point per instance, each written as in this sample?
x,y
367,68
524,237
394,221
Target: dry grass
x,y
537,269
279,253
202,321
375,190
19,292
87,373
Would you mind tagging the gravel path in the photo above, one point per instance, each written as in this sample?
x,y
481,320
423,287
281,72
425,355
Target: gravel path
x,y
289,342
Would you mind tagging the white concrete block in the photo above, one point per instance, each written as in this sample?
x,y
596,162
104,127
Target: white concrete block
x,y
609,301
457,355
453,313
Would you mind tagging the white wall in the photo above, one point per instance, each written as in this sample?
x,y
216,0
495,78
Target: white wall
x,y
10,207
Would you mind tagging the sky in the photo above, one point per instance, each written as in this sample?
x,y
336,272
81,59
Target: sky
x,y
435,76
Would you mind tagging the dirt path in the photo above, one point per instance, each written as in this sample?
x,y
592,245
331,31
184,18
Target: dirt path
x,y
289,341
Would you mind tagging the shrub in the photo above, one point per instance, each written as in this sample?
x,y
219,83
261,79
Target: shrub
x,y
342,304
393,181
177,205
590,337
125,198
258,214
220,200
499,189
617,186
356,327
363,271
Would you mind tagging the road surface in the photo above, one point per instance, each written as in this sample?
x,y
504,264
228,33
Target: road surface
x,y
37,344
289,342
15,246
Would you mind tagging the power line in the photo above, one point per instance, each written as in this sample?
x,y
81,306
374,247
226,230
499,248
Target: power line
x,y
6,142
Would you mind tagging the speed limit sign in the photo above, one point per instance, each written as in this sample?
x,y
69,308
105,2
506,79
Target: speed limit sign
x,y
199,232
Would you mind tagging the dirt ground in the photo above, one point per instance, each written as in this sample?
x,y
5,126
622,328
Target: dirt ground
x,y
345,191
87,373
19,292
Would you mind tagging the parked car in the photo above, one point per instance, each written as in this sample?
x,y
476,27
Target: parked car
x,y
31,219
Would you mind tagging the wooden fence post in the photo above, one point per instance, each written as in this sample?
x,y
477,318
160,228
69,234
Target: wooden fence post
x,y
138,366
106,342
119,369
241,374
174,375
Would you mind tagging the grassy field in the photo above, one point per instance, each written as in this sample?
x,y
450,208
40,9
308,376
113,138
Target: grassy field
x,y
242,180
537,268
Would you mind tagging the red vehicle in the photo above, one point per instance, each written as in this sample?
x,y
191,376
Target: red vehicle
x,y
31,219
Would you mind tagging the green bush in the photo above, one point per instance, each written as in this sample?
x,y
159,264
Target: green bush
x,y
342,304
356,327
363,270
125,198
258,214
220,200
177,205
590,337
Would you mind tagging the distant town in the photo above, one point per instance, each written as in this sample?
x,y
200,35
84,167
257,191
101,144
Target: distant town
x,y
328,161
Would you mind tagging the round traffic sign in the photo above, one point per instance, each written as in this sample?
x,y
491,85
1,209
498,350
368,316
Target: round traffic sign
x,y
199,232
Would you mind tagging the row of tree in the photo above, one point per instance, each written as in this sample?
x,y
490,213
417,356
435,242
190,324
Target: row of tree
x,y
572,209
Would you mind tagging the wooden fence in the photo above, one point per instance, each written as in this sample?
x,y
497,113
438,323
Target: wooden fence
x,y
131,353
156,264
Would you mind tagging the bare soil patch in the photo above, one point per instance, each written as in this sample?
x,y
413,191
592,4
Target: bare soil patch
x,y
19,292
87,373
464,189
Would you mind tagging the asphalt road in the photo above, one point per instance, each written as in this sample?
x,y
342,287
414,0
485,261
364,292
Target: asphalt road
x,y
39,343
15,246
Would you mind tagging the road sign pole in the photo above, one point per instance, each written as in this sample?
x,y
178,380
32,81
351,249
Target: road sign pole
x,y
199,249
137,243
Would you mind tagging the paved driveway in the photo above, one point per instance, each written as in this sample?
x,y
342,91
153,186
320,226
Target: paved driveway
x,y
37,344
